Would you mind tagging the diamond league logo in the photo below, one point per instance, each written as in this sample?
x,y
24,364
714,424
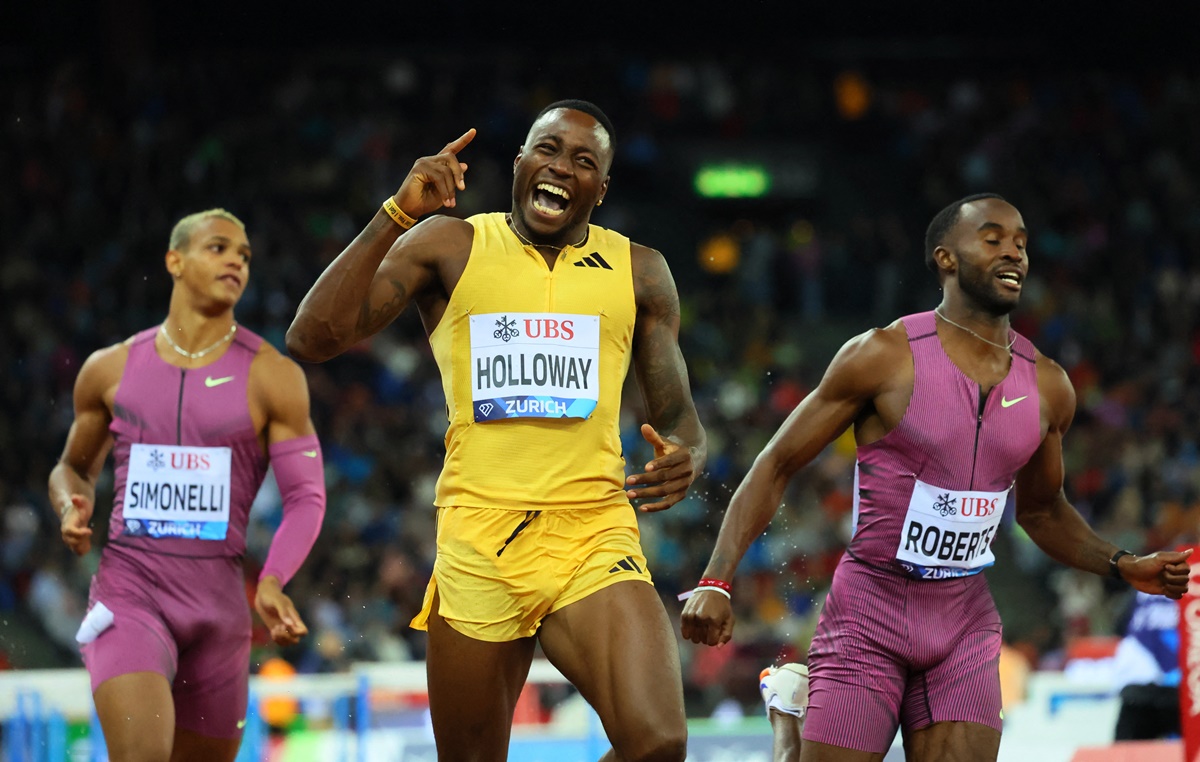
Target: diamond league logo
x,y
486,408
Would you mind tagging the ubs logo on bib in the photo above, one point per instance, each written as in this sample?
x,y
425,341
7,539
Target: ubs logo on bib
x,y
506,330
156,460
945,505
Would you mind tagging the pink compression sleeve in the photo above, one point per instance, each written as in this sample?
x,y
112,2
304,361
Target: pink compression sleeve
x,y
300,474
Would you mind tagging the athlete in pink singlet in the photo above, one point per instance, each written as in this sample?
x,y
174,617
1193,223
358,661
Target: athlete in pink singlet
x,y
954,415
194,411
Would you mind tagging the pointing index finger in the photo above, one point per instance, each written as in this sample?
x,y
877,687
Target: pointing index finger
x,y
462,142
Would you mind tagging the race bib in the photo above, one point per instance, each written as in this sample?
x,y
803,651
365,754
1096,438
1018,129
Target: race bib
x,y
949,533
534,365
175,491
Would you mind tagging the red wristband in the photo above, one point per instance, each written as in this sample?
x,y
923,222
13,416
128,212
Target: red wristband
x,y
720,583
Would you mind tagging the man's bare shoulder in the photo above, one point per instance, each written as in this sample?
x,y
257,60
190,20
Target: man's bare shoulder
x,y
641,250
439,235
101,373
643,256
870,363
1055,388
878,344
275,372
653,285
106,364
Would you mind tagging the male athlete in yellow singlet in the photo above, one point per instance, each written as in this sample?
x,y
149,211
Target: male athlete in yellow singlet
x,y
534,318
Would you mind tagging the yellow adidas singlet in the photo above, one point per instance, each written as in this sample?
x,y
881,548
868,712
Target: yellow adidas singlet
x,y
532,363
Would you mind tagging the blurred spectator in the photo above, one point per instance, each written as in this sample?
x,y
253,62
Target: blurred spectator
x,y
1146,668
305,143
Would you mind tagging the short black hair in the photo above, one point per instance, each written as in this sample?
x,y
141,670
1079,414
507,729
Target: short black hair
x,y
944,221
589,108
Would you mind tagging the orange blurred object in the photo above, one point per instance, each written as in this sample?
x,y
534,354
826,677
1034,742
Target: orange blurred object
x,y
278,712
852,94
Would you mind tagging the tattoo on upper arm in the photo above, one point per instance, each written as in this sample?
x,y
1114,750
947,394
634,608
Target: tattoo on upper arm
x,y
371,320
661,371
657,297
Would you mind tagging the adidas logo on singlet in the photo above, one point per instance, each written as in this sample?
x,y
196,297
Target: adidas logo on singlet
x,y
593,260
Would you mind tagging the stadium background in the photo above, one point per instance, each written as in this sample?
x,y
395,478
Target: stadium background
x,y
122,117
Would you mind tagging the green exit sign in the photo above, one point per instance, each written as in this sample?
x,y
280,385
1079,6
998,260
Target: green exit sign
x,y
732,181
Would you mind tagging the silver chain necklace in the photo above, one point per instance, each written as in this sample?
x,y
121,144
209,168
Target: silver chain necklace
x,y
196,355
513,227
1007,348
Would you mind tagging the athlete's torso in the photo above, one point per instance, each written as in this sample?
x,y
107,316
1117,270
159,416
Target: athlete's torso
x,y
189,461
532,363
929,494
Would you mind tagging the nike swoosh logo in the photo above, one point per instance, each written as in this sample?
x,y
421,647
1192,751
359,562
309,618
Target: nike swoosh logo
x,y
241,723
309,453
210,382
1010,403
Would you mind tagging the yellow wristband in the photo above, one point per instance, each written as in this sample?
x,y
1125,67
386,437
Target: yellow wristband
x,y
397,214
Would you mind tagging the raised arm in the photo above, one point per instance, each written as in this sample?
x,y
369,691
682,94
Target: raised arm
x,y
680,445
1050,520
859,373
379,273
72,483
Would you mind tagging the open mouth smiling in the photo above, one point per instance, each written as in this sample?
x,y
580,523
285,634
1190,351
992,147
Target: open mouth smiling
x,y
550,200
1010,278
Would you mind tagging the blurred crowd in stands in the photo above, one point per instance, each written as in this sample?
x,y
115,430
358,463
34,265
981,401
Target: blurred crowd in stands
x,y
1105,166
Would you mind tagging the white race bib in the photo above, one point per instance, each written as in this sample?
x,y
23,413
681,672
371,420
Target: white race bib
x,y
949,533
534,365
175,491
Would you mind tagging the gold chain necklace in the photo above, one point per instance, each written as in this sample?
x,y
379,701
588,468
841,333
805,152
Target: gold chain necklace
x,y
196,355
532,245
1007,348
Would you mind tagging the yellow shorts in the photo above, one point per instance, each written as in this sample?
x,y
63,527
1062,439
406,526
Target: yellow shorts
x,y
499,572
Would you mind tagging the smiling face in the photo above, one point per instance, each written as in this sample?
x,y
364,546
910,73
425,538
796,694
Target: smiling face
x,y
984,256
213,265
559,176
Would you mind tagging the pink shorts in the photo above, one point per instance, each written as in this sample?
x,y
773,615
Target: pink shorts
x,y
184,618
891,651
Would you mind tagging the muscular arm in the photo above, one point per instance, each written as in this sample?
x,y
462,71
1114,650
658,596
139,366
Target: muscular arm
x,y
658,362
1042,507
1053,523
680,444
283,389
72,483
380,272
858,374
364,289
